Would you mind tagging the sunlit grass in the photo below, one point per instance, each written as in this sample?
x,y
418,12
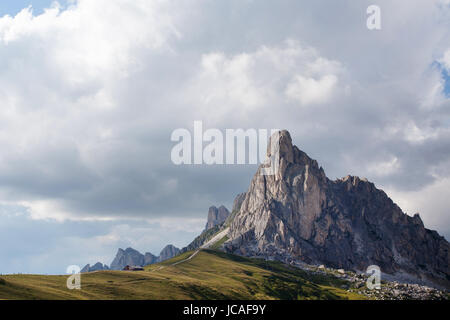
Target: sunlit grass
x,y
209,275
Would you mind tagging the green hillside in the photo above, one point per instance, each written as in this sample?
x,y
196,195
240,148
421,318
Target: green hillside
x,y
208,275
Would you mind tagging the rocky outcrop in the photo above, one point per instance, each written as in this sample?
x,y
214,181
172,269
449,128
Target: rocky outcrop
x,y
168,252
299,214
132,257
216,216
215,223
96,267
129,256
388,290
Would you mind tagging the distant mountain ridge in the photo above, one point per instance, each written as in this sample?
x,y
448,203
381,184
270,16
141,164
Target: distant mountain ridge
x,y
96,267
132,257
215,220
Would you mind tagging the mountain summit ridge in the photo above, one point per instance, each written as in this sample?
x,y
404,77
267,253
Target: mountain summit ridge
x,y
300,214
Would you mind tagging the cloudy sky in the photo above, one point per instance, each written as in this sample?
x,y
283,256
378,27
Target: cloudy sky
x,y
91,90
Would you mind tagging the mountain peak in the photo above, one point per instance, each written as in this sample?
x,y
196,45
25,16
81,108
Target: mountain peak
x,y
287,150
290,158
299,213
284,145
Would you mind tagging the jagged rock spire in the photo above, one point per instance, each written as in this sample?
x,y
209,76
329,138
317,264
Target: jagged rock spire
x,y
299,213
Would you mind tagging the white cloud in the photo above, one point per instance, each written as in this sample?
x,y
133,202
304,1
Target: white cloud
x,y
446,60
414,134
311,91
384,168
92,39
60,77
230,79
250,83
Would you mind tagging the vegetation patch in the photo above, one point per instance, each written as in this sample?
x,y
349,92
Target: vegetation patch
x,y
219,243
210,274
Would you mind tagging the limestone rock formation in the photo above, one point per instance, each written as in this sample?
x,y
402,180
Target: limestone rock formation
x,y
214,224
168,252
299,214
216,216
132,257
238,202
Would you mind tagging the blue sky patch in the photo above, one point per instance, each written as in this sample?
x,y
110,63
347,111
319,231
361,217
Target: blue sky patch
x,y
13,7
446,77
445,74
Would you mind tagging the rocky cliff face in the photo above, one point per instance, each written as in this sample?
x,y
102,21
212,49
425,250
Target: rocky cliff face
x,y
216,216
237,203
299,214
168,252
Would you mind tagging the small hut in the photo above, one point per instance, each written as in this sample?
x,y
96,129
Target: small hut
x,y
133,268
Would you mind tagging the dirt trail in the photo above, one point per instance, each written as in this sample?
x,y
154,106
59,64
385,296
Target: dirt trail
x,y
208,244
